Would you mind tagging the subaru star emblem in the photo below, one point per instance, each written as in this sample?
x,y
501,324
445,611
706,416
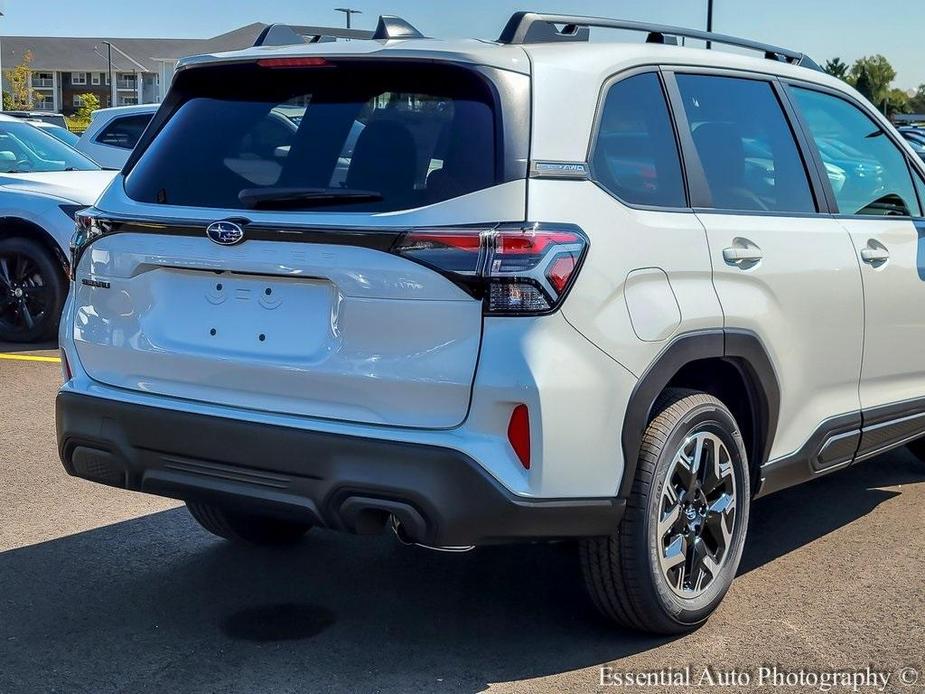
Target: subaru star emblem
x,y
225,233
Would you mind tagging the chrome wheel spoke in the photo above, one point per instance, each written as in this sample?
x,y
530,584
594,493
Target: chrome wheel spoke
x,y
697,512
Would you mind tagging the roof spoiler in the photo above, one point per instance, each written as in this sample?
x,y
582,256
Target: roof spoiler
x,y
388,28
533,27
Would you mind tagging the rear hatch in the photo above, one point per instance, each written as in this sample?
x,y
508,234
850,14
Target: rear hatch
x,y
252,255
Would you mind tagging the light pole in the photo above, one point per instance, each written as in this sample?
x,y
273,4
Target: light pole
x,y
349,12
2,12
112,86
709,21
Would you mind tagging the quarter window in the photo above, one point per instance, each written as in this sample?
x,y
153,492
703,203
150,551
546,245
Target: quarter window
x,y
748,152
636,153
868,172
124,132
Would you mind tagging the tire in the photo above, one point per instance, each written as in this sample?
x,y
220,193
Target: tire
x,y
625,573
246,528
32,291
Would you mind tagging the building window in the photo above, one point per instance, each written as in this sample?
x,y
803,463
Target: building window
x,y
78,101
44,102
78,78
128,100
95,78
43,79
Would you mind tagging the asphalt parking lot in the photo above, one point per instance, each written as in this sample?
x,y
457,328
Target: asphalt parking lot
x,y
106,591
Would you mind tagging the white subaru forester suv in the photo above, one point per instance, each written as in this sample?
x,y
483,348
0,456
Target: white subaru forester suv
x,y
531,289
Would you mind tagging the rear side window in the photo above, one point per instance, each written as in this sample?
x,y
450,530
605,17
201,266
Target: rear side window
x,y
124,132
636,154
749,155
868,172
352,136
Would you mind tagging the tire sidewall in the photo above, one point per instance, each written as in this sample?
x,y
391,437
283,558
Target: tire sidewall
x,y
713,417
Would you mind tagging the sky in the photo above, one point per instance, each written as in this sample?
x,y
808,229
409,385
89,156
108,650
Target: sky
x,y
821,28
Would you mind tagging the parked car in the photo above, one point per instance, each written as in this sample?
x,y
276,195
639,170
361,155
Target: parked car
x,y
43,116
56,131
43,183
113,133
916,139
564,290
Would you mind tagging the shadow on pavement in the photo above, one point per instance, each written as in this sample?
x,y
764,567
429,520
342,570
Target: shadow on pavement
x,y
15,347
156,604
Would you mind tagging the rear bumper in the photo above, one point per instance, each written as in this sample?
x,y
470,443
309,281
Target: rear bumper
x,y
440,496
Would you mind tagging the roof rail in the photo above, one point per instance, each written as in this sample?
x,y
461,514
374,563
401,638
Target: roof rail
x,y
389,27
535,27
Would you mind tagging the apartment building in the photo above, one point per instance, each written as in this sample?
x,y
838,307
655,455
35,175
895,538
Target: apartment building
x,y
64,68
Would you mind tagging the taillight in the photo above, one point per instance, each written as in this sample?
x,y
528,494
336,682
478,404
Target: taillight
x,y
522,270
88,228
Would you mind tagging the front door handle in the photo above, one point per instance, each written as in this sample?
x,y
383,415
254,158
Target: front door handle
x,y
742,253
875,254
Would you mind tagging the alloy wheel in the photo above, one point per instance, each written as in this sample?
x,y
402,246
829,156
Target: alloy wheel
x,y
24,293
696,514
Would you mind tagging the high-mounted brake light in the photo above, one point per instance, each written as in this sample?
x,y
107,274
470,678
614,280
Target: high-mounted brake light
x,y
522,270
293,62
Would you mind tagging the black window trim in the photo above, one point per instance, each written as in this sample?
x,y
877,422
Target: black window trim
x,y
609,83
701,198
912,166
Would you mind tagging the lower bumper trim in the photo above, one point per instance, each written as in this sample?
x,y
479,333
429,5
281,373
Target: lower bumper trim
x,y
440,497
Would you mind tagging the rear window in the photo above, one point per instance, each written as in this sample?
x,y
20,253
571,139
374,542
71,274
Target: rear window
x,y
351,136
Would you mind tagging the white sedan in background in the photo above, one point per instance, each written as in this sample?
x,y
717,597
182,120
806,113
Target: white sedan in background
x,y
43,183
114,132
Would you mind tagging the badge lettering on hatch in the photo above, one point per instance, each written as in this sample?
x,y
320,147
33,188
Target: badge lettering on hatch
x,y
225,233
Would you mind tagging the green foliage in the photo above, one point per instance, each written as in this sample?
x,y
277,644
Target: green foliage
x,y
917,100
88,104
897,101
80,121
19,96
837,68
875,74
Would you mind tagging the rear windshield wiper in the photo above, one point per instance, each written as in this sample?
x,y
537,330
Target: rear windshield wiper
x,y
303,198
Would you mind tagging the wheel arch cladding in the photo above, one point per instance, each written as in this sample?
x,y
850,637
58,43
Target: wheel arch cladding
x,y
732,365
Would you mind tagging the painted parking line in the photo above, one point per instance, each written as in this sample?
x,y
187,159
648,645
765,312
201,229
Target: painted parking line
x,y
29,357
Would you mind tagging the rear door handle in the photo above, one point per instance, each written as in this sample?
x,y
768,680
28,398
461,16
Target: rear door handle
x,y
874,254
742,252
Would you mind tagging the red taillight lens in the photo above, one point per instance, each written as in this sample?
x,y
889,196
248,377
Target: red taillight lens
x,y
518,433
293,62
518,271
560,271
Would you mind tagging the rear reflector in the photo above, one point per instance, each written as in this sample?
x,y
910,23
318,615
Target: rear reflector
x,y
518,433
293,62
65,367
516,270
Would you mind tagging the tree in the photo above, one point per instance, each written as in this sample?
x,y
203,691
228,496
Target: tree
x,y
917,100
19,97
897,101
875,74
837,68
88,104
